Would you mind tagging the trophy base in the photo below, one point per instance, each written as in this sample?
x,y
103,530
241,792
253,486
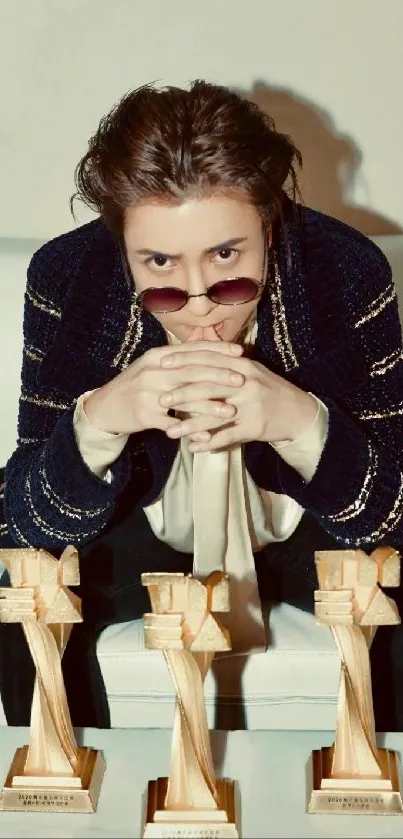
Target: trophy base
x,y
76,793
360,795
190,824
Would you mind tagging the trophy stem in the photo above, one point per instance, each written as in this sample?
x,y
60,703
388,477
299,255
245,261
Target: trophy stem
x,y
53,747
355,751
191,802
192,781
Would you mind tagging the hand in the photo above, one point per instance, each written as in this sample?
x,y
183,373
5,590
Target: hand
x,y
268,408
131,402
215,408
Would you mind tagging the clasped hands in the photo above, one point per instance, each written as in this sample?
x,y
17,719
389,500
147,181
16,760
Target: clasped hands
x,y
229,399
223,398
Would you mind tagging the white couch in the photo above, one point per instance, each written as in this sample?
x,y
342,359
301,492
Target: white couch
x,y
293,685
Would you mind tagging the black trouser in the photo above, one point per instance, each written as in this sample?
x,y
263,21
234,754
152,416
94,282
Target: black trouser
x,y
111,592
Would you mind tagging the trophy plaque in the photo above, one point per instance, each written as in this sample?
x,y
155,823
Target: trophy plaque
x,y
354,775
52,773
192,802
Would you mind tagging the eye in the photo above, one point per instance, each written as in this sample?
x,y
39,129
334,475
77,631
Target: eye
x,y
158,260
226,255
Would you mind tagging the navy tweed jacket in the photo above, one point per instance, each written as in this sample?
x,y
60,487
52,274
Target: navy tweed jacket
x,y
330,325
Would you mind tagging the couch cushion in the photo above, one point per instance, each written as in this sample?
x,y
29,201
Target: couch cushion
x,y
292,685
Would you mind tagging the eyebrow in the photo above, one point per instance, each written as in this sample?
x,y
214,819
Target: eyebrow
x,y
229,243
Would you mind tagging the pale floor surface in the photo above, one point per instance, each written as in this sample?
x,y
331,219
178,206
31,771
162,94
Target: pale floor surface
x,y
271,767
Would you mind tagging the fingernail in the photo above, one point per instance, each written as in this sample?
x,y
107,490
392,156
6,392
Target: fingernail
x,y
236,379
236,349
166,399
227,410
167,361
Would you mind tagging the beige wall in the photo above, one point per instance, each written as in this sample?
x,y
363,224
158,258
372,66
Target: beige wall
x,y
331,72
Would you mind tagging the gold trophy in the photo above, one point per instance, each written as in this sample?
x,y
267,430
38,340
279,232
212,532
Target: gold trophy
x,y
192,802
354,775
52,773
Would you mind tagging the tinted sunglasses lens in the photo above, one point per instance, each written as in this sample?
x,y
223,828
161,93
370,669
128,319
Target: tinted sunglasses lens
x,y
163,299
231,292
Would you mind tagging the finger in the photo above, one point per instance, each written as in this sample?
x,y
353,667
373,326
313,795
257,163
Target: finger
x,y
191,346
205,356
201,333
194,425
221,439
209,334
165,423
198,383
196,335
212,408
200,437
153,357
158,418
182,397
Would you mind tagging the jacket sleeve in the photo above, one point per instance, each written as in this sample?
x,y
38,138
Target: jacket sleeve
x,y
51,496
357,489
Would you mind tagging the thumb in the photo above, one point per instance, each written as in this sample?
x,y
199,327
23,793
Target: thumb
x,y
196,334
209,334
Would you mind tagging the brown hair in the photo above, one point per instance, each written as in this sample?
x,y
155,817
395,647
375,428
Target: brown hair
x,y
170,143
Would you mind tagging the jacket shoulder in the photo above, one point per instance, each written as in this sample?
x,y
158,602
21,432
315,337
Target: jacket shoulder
x,y
339,256
55,264
344,243
70,247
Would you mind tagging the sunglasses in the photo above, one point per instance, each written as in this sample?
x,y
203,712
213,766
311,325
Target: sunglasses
x,y
231,292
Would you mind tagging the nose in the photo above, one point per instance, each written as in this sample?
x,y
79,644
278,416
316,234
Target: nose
x,y
198,304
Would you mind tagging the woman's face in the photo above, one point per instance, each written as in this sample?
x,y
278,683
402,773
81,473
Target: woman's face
x,y
191,246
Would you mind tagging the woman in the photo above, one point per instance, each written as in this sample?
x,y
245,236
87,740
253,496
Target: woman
x,y
204,311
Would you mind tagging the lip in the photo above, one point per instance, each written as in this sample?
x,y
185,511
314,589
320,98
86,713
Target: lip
x,y
218,326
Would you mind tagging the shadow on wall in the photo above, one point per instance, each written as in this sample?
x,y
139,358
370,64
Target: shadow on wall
x,y
330,160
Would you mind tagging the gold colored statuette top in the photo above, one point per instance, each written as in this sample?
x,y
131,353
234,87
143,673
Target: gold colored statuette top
x,y
39,586
349,587
182,616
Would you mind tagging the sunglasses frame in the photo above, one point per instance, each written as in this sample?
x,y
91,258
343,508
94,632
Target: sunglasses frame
x,y
258,283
